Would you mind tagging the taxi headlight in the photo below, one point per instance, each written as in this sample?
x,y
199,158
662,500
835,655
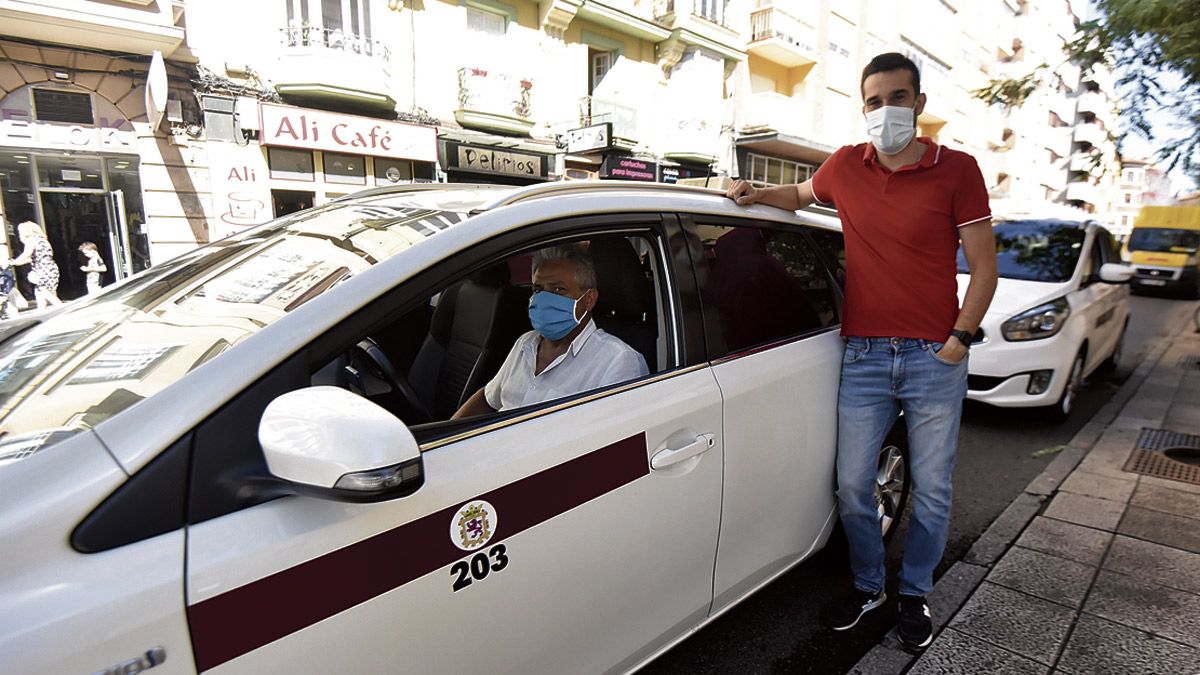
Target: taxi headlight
x,y
1040,322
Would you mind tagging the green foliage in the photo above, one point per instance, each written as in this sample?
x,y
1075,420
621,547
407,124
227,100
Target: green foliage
x,y
1010,93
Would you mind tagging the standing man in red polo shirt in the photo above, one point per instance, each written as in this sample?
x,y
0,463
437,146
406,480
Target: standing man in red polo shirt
x,y
905,204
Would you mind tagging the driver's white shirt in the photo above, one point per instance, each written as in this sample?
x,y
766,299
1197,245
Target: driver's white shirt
x,y
594,359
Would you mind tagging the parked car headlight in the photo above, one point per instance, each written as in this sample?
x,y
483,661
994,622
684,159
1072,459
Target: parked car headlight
x,y
1037,323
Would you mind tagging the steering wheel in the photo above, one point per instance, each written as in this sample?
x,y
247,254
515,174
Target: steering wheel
x,y
367,350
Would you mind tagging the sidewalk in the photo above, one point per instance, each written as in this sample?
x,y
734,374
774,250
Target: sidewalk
x,y
1093,568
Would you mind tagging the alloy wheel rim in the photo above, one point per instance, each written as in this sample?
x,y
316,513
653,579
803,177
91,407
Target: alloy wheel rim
x,y
1073,382
889,486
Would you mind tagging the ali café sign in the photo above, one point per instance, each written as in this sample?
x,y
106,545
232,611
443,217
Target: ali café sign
x,y
316,130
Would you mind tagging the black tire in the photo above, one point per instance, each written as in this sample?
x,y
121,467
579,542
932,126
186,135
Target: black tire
x,y
1115,360
1061,410
892,480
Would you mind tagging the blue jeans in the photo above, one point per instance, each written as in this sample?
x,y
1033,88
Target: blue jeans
x,y
881,377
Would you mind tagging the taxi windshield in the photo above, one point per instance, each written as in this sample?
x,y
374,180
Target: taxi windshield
x,y
1164,240
100,355
1035,250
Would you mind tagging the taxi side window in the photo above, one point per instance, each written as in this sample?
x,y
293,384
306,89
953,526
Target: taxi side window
x,y
427,365
763,285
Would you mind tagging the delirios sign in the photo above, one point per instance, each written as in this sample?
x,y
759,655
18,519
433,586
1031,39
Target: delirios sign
x,y
316,130
495,160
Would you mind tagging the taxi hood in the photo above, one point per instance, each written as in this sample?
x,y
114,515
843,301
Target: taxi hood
x,y
1016,295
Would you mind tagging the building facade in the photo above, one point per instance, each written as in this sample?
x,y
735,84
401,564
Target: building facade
x,y
166,124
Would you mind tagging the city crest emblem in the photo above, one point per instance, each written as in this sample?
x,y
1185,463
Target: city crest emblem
x,y
473,525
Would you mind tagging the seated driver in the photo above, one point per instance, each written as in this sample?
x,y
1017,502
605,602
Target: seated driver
x,y
565,353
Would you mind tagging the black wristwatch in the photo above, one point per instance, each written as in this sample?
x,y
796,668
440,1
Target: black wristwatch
x,y
963,336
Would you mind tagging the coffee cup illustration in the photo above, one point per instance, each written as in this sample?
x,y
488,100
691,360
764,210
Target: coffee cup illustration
x,y
244,209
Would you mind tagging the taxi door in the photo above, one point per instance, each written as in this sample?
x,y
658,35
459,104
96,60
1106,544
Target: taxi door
x,y
1100,303
578,538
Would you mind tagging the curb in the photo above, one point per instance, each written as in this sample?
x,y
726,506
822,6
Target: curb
x,y
958,582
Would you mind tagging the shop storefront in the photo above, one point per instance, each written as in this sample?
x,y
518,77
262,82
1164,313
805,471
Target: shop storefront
x,y
480,162
69,161
308,157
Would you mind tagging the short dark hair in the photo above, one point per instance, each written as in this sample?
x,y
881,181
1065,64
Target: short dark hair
x,y
886,63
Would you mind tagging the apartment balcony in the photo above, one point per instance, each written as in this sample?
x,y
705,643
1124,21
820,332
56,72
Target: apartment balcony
x,y
1091,162
1097,104
626,130
1063,106
781,38
1083,191
494,101
702,23
333,68
771,111
623,16
135,26
691,140
1091,133
1058,139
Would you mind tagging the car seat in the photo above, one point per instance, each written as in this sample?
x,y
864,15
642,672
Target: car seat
x,y
472,328
625,307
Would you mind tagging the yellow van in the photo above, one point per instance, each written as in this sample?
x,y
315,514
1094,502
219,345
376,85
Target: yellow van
x,y
1162,249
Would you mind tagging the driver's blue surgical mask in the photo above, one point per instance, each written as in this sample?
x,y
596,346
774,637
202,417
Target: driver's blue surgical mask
x,y
553,315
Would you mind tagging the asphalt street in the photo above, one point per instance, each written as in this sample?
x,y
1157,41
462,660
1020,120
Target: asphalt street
x,y
778,630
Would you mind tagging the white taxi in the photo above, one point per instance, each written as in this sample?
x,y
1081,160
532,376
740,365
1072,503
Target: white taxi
x,y
243,460
1060,313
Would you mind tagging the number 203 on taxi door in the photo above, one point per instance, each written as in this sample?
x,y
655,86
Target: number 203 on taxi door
x,y
471,529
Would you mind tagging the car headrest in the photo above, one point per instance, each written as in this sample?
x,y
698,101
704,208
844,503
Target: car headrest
x,y
494,275
624,291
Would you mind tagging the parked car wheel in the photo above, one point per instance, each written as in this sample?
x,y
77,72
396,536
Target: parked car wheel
x,y
1117,358
892,481
1060,411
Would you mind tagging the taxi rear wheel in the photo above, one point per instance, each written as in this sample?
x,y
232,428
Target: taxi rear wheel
x,y
892,480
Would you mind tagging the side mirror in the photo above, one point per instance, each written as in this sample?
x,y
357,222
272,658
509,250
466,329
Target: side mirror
x,y
1115,273
329,443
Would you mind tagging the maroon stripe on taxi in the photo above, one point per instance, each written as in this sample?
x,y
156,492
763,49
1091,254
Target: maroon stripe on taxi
x,y
229,625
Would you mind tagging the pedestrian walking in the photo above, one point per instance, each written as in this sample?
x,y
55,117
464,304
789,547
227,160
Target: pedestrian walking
x,y
39,255
8,287
905,203
93,266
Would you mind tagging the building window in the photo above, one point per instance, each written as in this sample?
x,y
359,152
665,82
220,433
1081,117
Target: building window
x,y
388,171
601,63
772,171
288,164
346,169
483,21
1128,197
50,105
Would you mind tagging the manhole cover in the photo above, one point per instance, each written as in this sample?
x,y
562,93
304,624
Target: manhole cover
x,y
1166,454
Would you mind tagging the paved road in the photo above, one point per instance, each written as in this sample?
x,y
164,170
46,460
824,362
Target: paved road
x,y
778,629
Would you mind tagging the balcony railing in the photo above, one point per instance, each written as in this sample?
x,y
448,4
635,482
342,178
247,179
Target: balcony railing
x,y
624,119
334,39
492,100
711,10
782,37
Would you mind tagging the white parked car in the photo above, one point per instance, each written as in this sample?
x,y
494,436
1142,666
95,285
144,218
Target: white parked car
x,y
1059,314
242,460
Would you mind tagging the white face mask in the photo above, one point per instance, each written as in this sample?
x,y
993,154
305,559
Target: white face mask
x,y
891,128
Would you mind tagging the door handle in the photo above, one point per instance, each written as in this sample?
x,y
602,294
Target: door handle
x,y
664,458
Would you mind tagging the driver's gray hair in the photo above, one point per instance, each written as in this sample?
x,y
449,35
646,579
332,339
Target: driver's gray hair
x,y
585,271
